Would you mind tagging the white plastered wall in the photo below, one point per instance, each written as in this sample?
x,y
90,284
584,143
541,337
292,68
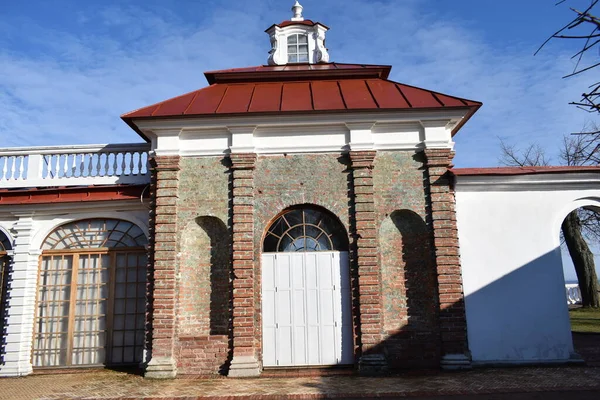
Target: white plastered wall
x,y
28,226
511,263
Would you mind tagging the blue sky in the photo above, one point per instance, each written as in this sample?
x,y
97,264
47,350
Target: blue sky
x,y
69,68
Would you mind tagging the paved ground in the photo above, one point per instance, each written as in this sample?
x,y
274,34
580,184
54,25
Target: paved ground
x,y
549,383
492,384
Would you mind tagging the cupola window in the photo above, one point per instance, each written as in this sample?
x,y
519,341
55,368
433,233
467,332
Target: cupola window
x,y
297,48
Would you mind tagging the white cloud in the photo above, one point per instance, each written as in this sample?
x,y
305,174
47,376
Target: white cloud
x,y
74,85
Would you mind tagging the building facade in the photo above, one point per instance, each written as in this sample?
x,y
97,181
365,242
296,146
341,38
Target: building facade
x,y
296,214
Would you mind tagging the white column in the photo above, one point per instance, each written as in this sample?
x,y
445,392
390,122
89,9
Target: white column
x,y
21,301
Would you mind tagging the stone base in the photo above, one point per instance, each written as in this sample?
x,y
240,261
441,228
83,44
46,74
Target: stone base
x,y
455,362
244,367
16,369
161,368
372,364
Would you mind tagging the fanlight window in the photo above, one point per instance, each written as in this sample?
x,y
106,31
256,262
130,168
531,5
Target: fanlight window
x,y
95,233
305,229
297,48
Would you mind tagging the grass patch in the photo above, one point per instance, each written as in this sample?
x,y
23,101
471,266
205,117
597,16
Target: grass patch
x,y
585,320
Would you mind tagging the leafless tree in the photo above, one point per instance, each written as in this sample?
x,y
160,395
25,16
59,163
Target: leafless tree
x,y
584,29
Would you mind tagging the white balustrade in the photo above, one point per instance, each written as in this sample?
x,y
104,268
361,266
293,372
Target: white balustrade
x,y
573,293
74,165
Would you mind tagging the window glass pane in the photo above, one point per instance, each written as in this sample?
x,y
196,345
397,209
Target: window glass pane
x,y
303,58
292,58
302,39
292,39
292,49
303,48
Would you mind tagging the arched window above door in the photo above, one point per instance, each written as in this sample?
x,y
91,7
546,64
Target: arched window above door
x,y
305,229
95,233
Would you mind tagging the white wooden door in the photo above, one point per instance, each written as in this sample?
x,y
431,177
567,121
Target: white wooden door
x,y
306,309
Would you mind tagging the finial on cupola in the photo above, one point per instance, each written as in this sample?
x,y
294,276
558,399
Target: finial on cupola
x,y
297,10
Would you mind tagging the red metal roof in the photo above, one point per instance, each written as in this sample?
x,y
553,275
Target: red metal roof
x,y
303,88
522,170
296,72
306,22
73,194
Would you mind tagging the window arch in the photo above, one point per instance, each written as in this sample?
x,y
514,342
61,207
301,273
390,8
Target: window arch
x,y
91,300
92,233
305,229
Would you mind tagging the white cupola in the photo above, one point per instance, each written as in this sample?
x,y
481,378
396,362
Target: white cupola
x,y
297,41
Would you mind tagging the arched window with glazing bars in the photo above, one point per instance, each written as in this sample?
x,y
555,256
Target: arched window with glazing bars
x,y
91,295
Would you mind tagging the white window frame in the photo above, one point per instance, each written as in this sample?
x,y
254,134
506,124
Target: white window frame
x,y
297,45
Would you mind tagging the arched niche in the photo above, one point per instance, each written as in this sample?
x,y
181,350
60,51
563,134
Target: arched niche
x,y
409,285
205,290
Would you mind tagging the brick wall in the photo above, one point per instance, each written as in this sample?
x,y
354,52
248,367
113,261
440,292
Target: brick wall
x,y
440,194
399,234
204,296
409,283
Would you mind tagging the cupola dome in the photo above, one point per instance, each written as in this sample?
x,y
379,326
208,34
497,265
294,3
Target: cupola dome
x,y
298,40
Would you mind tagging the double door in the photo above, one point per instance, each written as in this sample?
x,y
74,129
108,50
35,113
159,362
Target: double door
x,y
306,309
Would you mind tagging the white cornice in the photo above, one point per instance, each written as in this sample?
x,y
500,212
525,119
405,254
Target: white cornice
x,y
533,182
296,119
333,132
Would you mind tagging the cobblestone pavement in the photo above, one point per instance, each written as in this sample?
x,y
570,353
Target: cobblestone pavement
x,y
105,384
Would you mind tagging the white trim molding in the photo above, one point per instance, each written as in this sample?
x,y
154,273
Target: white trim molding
x,y
339,132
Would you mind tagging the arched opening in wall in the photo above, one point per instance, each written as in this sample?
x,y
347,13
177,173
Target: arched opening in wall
x,y
205,286
580,250
91,295
409,288
5,248
306,302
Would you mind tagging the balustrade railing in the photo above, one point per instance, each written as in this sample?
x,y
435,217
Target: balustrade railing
x,y
74,165
573,293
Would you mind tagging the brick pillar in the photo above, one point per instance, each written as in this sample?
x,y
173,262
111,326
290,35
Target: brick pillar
x,y
372,359
162,263
442,218
245,361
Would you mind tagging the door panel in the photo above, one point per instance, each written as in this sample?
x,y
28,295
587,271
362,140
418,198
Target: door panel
x,y
305,299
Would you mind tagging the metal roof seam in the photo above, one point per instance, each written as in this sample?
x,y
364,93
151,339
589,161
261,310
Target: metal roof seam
x,y
221,100
437,98
251,98
312,99
191,102
371,93
341,94
402,94
280,98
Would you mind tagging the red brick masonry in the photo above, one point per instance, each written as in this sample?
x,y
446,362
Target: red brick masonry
x,y
453,325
